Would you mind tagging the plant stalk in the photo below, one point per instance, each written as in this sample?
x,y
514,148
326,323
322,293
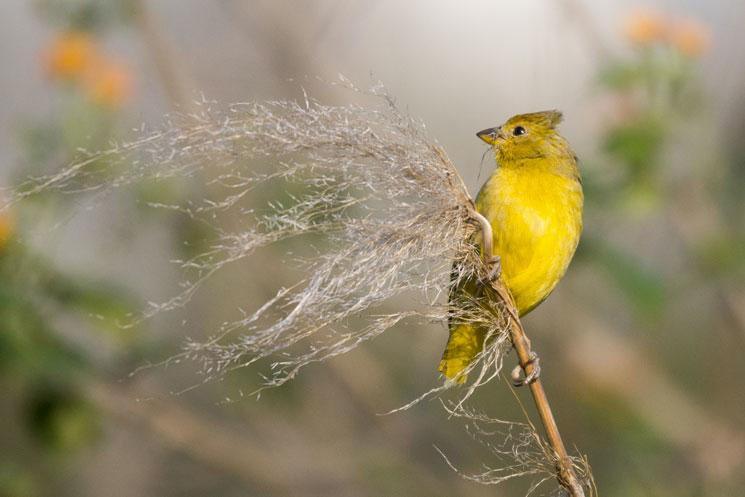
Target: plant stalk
x,y
566,475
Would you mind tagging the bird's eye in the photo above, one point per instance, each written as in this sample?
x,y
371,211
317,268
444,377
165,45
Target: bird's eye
x,y
519,130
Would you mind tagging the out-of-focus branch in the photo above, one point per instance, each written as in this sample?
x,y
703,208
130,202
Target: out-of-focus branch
x,y
626,371
173,79
696,217
566,475
287,41
182,430
735,305
577,12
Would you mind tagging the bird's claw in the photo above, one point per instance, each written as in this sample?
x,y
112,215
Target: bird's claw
x,y
495,269
518,381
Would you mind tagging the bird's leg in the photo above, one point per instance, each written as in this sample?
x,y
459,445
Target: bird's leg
x,y
492,261
530,378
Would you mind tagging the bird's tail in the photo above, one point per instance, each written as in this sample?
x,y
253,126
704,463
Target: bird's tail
x,y
465,342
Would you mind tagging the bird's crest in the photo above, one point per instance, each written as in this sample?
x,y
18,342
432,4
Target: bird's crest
x,y
547,118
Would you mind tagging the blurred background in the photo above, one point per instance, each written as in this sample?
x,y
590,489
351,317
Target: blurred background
x,y
641,344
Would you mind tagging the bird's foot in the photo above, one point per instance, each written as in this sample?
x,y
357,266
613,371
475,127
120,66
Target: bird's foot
x,y
495,269
532,376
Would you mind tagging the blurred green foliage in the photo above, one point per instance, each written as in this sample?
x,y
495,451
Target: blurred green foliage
x,y
38,360
643,286
60,418
654,90
87,15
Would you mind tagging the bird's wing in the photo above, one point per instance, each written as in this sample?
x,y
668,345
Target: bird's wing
x,y
466,339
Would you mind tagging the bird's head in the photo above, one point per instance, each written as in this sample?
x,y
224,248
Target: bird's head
x,y
526,136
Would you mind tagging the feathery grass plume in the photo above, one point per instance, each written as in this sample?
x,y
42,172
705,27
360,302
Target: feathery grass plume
x,y
518,448
383,205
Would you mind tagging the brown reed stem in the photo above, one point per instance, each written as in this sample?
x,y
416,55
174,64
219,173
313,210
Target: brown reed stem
x,y
566,475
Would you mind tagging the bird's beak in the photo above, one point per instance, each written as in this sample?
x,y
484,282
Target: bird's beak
x,y
489,135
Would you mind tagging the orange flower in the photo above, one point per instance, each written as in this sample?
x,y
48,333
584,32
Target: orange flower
x,y
109,83
6,228
75,56
70,55
690,37
645,27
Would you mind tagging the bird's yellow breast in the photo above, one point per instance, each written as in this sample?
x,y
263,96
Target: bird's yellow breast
x,y
536,217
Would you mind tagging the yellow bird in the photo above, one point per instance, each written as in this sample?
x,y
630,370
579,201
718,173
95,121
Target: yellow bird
x,y
533,201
